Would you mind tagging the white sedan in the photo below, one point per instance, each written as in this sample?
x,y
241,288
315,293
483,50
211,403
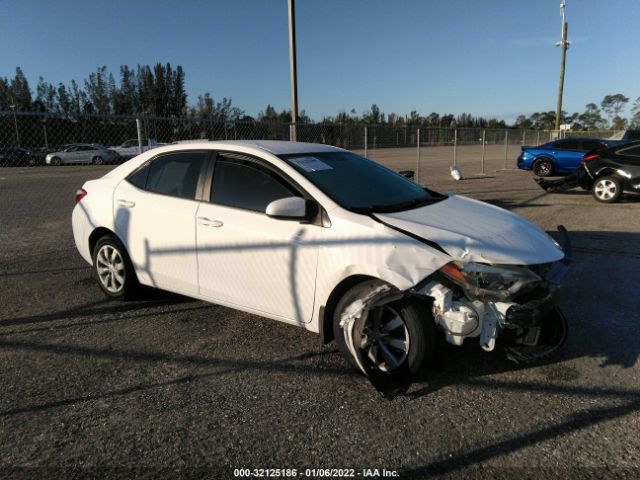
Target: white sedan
x,y
319,237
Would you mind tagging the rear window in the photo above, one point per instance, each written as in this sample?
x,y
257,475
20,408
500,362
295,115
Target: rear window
x,y
176,174
630,151
588,145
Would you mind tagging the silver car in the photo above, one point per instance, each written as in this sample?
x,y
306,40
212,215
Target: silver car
x,y
83,153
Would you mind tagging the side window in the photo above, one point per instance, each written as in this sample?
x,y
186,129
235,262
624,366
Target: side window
x,y
567,145
630,151
176,174
588,145
247,185
139,177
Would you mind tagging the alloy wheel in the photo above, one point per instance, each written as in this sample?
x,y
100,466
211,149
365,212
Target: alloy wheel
x,y
543,168
110,268
385,338
605,189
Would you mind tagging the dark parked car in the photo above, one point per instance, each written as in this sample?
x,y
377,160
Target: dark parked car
x,y
607,173
17,157
560,156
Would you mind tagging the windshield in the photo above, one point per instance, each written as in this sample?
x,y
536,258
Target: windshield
x,y
358,184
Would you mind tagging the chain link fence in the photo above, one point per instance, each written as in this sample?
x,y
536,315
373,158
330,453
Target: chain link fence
x,y
32,139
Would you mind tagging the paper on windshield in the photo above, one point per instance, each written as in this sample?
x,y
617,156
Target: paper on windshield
x,y
310,164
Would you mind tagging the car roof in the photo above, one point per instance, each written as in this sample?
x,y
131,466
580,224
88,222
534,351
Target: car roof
x,y
275,147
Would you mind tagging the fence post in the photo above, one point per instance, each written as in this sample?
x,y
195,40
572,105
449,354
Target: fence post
x,y
455,146
44,130
365,143
418,160
524,137
483,147
139,128
506,141
538,138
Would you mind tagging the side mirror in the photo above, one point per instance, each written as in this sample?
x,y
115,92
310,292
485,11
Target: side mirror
x,y
289,208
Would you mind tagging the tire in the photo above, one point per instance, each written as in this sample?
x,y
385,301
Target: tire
x,y
417,321
543,167
607,189
97,160
114,271
56,161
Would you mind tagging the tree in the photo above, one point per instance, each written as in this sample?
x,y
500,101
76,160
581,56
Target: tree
x,y
635,114
64,99
619,123
19,92
46,97
613,105
98,92
373,116
523,122
591,119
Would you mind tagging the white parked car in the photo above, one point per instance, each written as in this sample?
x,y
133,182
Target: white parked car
x,y
319,237
130,148
82,153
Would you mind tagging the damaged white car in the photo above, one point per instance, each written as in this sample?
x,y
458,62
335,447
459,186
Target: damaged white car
x,y
319,237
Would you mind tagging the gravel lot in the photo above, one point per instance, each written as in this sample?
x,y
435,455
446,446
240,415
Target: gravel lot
x,y
169,386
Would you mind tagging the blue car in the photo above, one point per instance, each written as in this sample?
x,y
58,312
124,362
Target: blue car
x,y
560,156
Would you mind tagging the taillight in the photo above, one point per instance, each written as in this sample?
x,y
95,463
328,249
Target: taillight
x,y
80,194
588,158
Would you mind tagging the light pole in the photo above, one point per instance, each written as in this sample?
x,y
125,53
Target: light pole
x,y
292,65
564,45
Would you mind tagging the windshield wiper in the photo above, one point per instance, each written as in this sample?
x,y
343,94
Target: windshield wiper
x,y
399,207
395,207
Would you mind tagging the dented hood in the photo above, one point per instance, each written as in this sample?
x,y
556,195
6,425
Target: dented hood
x,y
474,231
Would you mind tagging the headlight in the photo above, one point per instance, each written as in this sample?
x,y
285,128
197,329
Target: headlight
x,y
489,282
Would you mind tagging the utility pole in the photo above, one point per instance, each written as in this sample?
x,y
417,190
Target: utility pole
x,y
292,65
563,44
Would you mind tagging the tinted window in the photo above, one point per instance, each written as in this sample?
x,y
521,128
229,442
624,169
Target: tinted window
x,y
631,152
247,185
588,145
139,178
176,174
359,184
566,145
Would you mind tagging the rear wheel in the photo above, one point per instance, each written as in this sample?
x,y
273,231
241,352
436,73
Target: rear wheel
x,y
392,333
607,189
113,269
543,167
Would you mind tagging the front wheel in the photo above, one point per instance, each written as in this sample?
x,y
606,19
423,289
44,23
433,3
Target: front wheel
x,y
113,269
393,333
97,160
607,189
56,161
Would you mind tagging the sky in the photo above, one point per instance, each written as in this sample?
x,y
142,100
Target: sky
x,y
490,58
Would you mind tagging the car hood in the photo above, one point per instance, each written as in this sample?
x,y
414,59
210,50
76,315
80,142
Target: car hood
x,y
474,231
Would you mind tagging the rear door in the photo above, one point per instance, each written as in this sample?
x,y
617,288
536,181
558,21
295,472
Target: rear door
x,y
567,154
246,258
72,154
154,212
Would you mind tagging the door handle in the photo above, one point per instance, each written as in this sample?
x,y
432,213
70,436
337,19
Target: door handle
x,y
206,222
126,203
